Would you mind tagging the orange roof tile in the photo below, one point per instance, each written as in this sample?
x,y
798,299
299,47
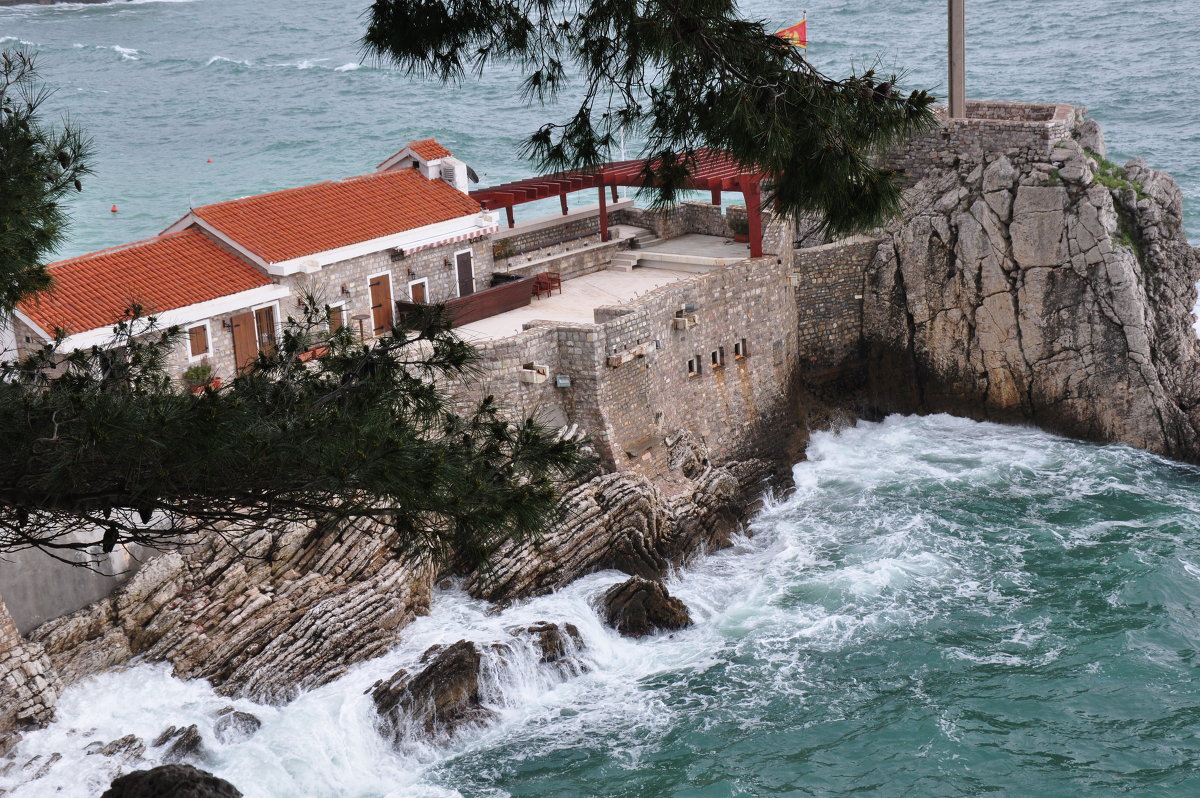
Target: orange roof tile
x,y
162,273
303,221
428,149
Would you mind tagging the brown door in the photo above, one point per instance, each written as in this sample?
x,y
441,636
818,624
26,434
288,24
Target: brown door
x,y
381,304
417,292
245,342
466,274
265,320
337,318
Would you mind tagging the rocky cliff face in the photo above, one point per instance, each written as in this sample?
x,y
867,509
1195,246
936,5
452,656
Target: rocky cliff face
x,y
1056,292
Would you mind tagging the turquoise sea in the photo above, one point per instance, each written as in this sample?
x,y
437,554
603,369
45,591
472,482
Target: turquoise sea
x,y
941,608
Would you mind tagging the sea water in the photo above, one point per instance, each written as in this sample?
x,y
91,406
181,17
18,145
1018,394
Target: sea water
x,y
941,607
278,92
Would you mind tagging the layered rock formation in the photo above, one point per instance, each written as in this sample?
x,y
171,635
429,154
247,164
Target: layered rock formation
x,y
279,614
1056,291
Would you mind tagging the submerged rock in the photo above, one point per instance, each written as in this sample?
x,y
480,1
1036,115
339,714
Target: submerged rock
x,y
128,748
440,699
234,727
638,607
185,743
171,781
556,643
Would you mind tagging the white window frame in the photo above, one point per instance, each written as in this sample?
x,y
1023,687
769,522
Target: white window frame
x,y
424,281
457,290
208,336
278,323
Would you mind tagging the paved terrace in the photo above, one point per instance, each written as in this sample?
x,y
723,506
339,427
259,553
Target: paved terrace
x,y
579,298
666,262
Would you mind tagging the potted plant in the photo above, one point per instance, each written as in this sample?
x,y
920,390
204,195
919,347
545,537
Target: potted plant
x,y
199,377
741,228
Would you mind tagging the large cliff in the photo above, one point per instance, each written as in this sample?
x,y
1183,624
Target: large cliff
x,y
1055,289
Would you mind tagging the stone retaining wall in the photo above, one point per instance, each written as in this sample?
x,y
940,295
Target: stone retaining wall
x,y
829,287
1024,132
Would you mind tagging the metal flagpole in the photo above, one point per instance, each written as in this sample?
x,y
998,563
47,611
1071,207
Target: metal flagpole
x,y
958,58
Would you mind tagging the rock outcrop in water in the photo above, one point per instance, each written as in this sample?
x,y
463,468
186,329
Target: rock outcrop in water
x,y
171,781
1056,292
439,699
640,607
286,613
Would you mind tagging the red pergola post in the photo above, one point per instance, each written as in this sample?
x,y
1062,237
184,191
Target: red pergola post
x,y
716,196
753,195
603,215
614,192
509,213
562,200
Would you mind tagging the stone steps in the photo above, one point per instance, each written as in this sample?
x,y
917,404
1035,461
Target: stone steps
x,y
624,261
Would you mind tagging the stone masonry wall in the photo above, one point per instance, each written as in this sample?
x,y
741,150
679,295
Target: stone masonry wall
x,y
630,384
829,287
1024,132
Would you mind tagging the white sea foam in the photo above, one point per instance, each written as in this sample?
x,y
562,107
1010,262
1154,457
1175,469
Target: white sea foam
x,y
351,67
220,59
127,53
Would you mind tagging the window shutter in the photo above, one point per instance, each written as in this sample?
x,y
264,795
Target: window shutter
x,y
198,340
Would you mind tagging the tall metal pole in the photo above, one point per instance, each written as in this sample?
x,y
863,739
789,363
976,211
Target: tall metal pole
x,y
958,58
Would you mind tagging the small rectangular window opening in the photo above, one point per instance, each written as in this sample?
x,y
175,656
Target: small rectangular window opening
x,y
694,367
740,349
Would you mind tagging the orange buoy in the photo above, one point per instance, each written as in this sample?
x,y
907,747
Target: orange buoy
x,y
114,209
210,160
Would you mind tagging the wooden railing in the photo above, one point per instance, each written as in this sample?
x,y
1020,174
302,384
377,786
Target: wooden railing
x,y
482,304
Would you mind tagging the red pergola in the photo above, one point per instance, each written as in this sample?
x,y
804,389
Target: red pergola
x,y
713,171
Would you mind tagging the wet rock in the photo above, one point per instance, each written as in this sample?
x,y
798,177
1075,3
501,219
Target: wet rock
x,y
127,748
234,726
439,700
640,607
171,781
185,743
555,642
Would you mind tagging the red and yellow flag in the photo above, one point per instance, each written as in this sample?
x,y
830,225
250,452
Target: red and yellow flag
x,y
797,35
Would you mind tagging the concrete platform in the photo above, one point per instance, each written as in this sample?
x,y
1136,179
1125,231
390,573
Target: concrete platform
x,y
693,249
579,298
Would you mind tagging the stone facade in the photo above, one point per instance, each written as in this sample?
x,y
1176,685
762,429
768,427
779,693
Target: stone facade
x,y
713,354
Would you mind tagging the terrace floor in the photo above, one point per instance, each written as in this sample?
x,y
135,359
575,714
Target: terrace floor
x,y
579,298
694,249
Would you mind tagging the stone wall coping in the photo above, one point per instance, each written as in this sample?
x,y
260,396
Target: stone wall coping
x,y
849,241
555,219
548,259
1039,115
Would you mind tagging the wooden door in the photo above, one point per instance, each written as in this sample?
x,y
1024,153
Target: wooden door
x,y
418,293
245,341
264,319
381,304
466,274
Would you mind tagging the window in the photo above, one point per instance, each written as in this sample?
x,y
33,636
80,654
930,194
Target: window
x,y
198,345
694,367
264,323
418,291
740,350
337,317
718,357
